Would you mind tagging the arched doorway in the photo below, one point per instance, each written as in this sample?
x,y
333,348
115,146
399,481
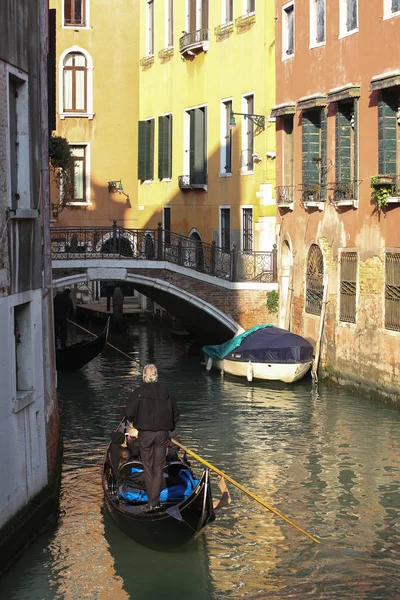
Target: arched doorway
x,y
195,252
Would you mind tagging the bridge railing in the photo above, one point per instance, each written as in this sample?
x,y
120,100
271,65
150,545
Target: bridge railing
x,y
86,243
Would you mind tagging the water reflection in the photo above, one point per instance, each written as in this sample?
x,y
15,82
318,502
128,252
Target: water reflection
x,y
327,461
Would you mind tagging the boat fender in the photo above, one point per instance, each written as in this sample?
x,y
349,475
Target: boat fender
x,y
209,364
249,371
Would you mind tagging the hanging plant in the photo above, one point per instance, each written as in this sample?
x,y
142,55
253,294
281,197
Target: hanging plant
x,y
382,189
62,166
272,302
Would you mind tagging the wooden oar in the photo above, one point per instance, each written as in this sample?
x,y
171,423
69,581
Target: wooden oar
x,y
108,343
243,489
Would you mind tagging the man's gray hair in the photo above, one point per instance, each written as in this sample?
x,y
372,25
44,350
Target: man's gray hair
x,y
150,374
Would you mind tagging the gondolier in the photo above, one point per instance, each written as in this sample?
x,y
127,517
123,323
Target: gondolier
x,y
153,411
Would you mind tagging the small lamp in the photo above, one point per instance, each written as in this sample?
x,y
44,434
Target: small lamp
x,y
232,122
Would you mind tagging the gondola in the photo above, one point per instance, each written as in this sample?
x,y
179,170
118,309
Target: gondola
x,y
186,503
74,357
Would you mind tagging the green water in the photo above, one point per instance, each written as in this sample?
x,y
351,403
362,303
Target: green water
x,y
329,461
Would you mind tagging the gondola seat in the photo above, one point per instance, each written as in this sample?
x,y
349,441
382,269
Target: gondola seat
x,y
179,486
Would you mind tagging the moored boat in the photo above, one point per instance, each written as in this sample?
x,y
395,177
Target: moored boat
x,y
186,502
263,352
75,356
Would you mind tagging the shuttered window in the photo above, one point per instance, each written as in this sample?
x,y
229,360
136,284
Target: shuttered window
x,y
387,132
314,148
165,147
392,291
343,170
198,145
146,150
348,286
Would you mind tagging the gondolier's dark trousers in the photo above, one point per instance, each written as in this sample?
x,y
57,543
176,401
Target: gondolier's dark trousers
x,y
152,445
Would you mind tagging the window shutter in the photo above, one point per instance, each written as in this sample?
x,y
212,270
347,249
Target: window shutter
x,y
343,142
150,153
311,146
204,14
323,152
197,174
161,171
167,147
387,130
355,145
142,150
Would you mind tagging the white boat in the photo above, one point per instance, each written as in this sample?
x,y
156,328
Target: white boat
x,y
262,352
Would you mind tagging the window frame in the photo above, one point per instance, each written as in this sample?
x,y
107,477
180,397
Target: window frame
x,y
248,107
343,15
166,221
248,8
187,141
148,141
169,24
226,148
388,13
86,11
227,7
88,113
318,288
314,43
201,19
150,30
395,255
165,167
86,175
244,209
286,9
349,286
225,244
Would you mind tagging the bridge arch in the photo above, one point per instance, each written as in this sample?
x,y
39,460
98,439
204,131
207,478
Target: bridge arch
x,y
166,294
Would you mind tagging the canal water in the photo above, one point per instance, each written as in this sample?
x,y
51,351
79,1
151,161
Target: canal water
x,y
329,461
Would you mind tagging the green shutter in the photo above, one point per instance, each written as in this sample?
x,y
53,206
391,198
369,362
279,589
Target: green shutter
x,y
355,146
387,133
311,127
165,147
161,171
323,152
142,150
198,171
150,154
343,143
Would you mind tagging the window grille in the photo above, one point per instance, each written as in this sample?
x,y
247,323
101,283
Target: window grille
x,y
314,280
392,291
348,286
247,230
226,229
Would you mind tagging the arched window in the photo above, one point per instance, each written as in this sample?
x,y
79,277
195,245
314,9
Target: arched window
x,y
314,280
75,82
76,89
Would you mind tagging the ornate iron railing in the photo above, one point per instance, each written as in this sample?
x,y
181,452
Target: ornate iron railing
x,y
284,194
344,190
194,39
311,192
192,182
86,243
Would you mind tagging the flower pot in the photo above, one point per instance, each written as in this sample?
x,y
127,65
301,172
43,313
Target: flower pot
x,y
384,180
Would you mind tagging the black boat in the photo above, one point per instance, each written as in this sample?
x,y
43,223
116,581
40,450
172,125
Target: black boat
x,y
74,357
186,503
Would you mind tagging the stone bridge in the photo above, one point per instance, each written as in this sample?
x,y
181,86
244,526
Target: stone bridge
x,y
204,294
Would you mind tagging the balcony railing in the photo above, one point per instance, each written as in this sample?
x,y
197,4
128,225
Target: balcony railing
x,y
195,41
312,194
118,243
285,195
192,182
344,192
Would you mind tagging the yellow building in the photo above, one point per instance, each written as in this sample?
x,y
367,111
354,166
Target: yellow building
x,y
97,64
202,64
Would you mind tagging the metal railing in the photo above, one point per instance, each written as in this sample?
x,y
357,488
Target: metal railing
x,y
86,243
192,182
344,190
284,194
194,39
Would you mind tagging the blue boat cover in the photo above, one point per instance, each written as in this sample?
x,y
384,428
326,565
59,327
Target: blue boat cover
x,y
264,344
175,493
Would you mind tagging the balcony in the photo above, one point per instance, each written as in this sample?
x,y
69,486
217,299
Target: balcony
x,y
344,193
194,42
193,182
311,195
285,196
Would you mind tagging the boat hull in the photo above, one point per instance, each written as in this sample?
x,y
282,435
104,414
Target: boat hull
x,y
286,372
74,357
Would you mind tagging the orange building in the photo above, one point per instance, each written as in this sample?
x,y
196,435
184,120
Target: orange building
x,y
337,123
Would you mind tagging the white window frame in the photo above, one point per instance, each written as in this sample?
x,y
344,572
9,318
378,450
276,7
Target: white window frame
x,y
223,146
167,7
199,15
387,10
246,9
149,50
186,137
89,114
246,124
242,207
343,20
23,162
313,25
220,208
73,26
88,202
224,12
285,30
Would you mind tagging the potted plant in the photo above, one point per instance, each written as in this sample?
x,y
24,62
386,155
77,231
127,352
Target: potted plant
x,y
382,189
62,166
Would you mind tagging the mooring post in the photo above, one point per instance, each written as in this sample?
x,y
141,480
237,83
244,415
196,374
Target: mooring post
x,y
234,260
159,241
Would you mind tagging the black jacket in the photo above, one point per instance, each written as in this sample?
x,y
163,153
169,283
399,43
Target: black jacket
x,y
151,408
63,306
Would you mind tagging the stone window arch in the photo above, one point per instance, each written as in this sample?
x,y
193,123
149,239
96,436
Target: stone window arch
x,y
314,280
76,83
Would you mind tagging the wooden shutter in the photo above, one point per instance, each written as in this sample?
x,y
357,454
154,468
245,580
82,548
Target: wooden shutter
x,y
192,15
387,132
197,146
165,147
150,154
343,142
204,14
161,171
323,169
311,127
146,150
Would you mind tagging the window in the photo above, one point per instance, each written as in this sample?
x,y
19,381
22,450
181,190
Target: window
x,y
196,146
348,16
169,23
197,15
146,150
388,107
225,229
317,22
314,280
19,137
395,6
75,13
391,8
348,286
167,225
346,151
288,150
288,31
226,138
392,291
150,28
80,181
165,147
227,11
314,163
247,134
249,6
74,82
23,348
247,229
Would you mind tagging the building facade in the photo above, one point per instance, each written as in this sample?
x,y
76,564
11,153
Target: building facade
x,y
204,169
29,432
97,110
337,123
